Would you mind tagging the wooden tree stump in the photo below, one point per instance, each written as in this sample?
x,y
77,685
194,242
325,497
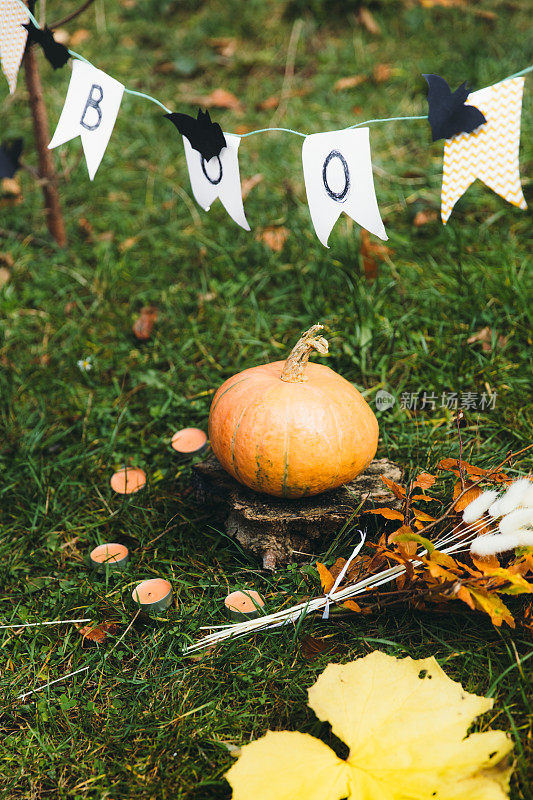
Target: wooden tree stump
x,y
283,531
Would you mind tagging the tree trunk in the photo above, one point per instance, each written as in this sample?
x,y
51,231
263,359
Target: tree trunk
x,y
47,173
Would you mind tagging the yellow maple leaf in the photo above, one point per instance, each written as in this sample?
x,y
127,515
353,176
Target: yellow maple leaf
x,y
405,723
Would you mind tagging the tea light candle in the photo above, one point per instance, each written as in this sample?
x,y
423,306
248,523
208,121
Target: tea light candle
x,y
189,441
128,480
112,556
244,605
153,595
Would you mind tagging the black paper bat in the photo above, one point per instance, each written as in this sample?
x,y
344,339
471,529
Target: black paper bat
x,y
56,53
10,152
204,135
448,114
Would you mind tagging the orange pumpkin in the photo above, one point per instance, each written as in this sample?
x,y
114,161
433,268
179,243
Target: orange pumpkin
x,y
291,428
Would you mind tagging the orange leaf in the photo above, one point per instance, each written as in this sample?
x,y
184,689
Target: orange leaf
x,y
452,465
371,254
388,513
485,564
144,324
381,73
326,578
467,498
349,82
366,19
274,237
99,633
407,549
424,481
352,605
247,184
421,516
492,605
221,98
463,594
425,217
270,103
395,488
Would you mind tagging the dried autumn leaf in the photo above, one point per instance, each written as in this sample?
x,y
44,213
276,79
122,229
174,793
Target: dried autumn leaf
x,y
492,605
424,481
225,46
270,103
326,578
462,593
350,82
405,724
421,516
351,605
381,73
98,633
406,545
467,498
11,187
247,184
79,37
485,564
452,465
366,19
372,254
388,513
4,276
312,647
397,490
144,324
221,98
128,243
274,237
425,217
484,336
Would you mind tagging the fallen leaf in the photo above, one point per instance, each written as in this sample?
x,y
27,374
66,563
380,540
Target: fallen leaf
x,y
326,578
452,465
221,98
11,187
79,37
372,253
425,217
274,237
421,516
247,184
424,481
388,513
486,563
407,547
98,633
4,276
349,82
312,647
381,73
389,712
492,605
467,498
225,46
484,336
128,243
86,228
270,103
463,594
365,18
144,324
397,490
242,129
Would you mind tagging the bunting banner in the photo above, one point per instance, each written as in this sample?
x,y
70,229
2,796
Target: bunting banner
x,y
338,177
490,152
13,15
481,131
218,177
90,110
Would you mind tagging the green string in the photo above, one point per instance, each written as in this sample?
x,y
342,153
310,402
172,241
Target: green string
x,y
264,130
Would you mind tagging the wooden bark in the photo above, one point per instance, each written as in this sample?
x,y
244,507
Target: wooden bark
x,y
283,531
47,173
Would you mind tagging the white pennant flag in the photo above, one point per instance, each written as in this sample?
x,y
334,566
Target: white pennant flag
x,y
90,110
218,177
12,38
338,177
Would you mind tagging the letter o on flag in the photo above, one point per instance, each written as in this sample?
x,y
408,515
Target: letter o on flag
x,y
213,181
341,195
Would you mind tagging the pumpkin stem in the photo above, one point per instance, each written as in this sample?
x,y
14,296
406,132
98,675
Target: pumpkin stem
x,y
294,367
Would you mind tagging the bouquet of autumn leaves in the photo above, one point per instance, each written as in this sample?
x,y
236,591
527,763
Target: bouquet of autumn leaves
x,y
459,564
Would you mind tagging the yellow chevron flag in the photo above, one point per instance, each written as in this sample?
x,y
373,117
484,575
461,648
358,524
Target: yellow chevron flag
x,y
12,39
489,153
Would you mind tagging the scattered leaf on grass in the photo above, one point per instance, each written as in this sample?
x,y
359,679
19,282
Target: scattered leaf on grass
x,y
79,37
99,633
4,276
270,103
467,498
274,237
128,243
365,18
452,465
381,73
225,46
312,647
144,324
372,253
425,217
350,82
221,98
388,513
247,184
11,187
397,490
424,480
484,336
406,546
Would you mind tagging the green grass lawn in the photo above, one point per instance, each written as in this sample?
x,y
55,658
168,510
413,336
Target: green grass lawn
x,y
144,721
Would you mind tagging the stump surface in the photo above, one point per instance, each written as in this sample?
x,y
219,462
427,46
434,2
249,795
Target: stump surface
x,y
282,531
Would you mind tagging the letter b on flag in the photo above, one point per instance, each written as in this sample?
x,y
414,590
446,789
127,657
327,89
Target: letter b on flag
x,y
96,95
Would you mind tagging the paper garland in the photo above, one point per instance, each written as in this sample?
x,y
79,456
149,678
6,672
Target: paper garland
x,y
13,37
489,153
338,177
218,177
90,110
